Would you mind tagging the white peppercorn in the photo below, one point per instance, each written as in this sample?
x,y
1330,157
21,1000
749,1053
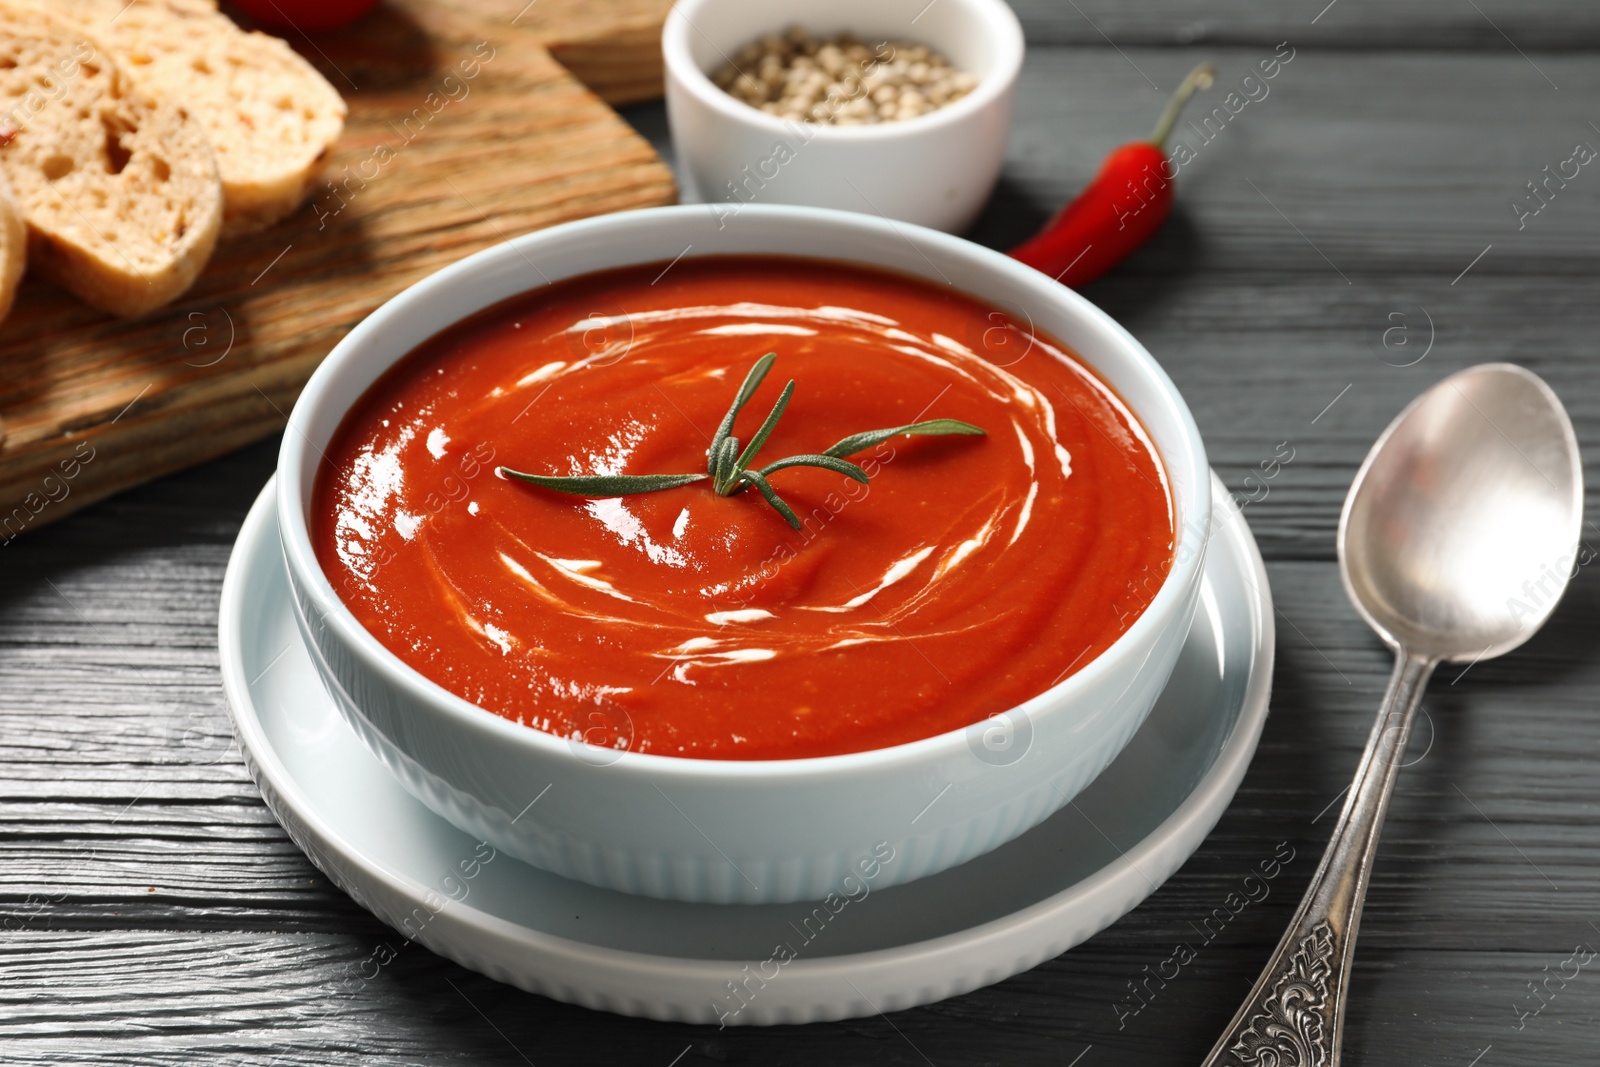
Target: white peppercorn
x,y
841,81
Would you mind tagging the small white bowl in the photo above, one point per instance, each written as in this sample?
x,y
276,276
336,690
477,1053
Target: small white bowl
x,y
728,831
935,170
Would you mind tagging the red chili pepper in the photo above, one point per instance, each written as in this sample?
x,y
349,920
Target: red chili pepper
x,y
1117,212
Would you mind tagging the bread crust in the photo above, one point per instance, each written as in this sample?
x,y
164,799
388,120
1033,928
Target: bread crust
x,y
13,249
119,190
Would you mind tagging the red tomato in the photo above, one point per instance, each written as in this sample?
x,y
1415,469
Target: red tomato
x,y
305,15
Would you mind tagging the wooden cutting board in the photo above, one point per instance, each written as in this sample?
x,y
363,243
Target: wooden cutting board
x,y
428,171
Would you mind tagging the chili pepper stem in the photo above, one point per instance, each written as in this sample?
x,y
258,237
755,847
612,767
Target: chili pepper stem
x,y
1199,78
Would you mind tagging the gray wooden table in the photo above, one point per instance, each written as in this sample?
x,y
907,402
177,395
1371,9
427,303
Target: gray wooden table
x,y
153,912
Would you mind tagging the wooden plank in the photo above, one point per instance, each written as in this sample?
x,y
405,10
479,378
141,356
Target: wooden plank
x,y
626,67
90,405
1287,357
1406,25
320,999
613,47
1351,164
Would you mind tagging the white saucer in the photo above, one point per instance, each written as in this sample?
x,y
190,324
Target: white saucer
x,y
1004,912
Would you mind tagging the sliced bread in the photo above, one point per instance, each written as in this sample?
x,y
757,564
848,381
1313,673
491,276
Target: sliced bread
x,y
13,246
119,189
272,119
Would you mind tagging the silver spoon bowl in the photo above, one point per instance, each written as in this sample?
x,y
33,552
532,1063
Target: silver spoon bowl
x,y
1458,536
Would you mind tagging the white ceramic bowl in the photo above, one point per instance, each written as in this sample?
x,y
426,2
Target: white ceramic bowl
x,y
730,831
935,170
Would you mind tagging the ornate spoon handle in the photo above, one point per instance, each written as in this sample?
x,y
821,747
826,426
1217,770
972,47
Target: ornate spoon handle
x,y
1294,1015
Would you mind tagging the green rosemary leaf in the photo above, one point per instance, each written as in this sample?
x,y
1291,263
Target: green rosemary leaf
x,y
725,467
752,382
767,427
604,485
764,487
933,427
831,463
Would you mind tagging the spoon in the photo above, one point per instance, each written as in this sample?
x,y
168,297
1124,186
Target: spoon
x,y
1458,536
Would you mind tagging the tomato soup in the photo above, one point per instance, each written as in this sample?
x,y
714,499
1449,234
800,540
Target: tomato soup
x,y
969,574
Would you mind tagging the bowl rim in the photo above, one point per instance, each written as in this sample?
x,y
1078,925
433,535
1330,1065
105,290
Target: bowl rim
x,y
996,16
1192,517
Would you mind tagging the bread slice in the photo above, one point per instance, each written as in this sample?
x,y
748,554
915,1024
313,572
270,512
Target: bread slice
x,y
13,248
272,119
119,190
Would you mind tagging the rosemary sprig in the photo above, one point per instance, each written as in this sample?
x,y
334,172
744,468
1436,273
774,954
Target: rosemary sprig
x,y
606,484
728,467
